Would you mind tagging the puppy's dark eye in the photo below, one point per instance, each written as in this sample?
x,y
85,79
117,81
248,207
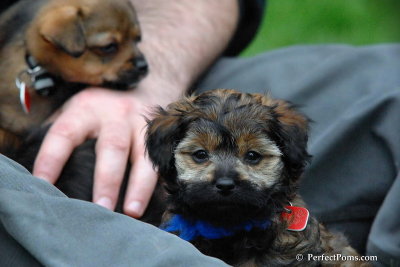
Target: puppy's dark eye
x,y
252,157
107,49
200,156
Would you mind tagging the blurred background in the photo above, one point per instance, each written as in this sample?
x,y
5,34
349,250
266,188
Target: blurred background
x,y
356,22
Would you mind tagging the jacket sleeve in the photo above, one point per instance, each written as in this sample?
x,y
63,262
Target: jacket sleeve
x,y
250,17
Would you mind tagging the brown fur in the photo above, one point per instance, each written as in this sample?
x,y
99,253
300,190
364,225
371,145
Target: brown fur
x,y
78,27
68,38
259,145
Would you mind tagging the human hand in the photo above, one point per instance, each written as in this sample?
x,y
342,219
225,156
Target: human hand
x,y
117,120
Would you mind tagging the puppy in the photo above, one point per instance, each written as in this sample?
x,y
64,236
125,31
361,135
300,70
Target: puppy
x,y
53,48
231,163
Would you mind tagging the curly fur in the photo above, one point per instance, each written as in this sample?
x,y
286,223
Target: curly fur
x,y
225,125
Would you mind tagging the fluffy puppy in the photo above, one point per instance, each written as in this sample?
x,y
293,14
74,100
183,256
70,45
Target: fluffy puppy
x,y
231,163
57,47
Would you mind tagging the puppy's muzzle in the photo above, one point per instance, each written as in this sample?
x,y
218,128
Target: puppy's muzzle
x,y
225,179
140,65
130,78
225,185
139,70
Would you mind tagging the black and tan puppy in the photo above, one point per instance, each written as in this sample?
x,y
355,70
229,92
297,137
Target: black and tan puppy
x,y
57,47
231,163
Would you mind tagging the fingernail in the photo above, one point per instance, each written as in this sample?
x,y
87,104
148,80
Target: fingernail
x,y
105,202
135,207
41,176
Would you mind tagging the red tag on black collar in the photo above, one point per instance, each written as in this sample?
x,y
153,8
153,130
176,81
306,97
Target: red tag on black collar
x,y
25,97
297,218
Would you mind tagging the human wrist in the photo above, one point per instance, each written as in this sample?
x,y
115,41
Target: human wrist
x,y
155,91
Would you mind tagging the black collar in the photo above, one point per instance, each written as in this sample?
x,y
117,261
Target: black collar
x,y
40,79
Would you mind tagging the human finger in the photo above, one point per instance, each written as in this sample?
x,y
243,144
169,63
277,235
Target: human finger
x,y
112,152
142,179
67,132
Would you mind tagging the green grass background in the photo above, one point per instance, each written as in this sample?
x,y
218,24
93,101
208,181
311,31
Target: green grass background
x,y
357,22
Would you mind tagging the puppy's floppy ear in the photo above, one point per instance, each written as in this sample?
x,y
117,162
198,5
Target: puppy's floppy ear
x,y
290,132
164,133
63,27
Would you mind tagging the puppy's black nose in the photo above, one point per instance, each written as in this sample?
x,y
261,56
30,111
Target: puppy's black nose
x,y
141,65
225,184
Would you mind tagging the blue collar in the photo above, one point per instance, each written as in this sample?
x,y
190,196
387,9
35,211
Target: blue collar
x,y
189,230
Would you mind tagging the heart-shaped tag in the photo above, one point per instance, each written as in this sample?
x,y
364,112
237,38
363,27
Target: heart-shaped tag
x,y
297,219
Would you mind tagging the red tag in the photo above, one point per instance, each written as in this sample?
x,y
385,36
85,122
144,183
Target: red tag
x,y
25,98
297,219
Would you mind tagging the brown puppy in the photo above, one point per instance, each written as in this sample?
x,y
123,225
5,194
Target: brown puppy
x,y
69,44
231,163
